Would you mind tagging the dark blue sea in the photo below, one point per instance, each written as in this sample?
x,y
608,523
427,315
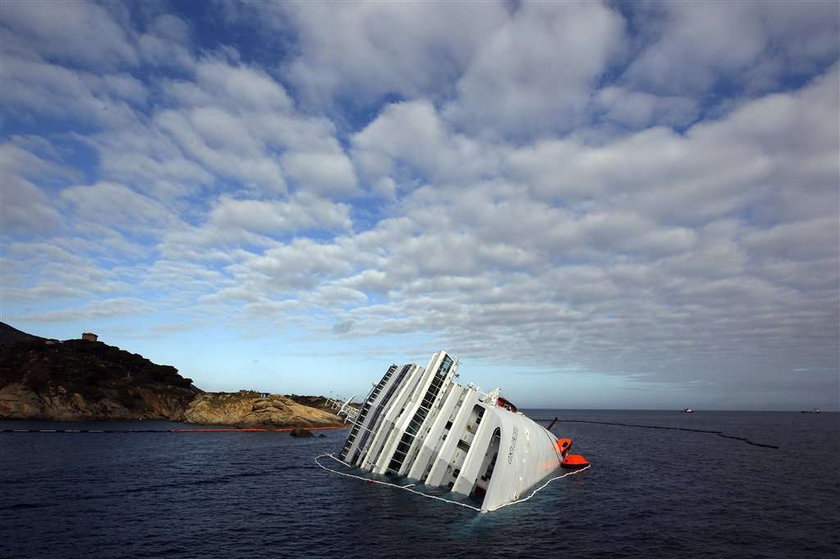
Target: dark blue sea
x,y
649,493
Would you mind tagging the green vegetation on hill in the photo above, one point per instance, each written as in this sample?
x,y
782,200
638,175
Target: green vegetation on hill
x,y
80,379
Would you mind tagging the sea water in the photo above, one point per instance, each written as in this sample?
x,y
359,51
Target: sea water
x,y
651,493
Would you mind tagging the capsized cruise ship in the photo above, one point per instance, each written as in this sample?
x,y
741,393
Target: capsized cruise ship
x,y
419,423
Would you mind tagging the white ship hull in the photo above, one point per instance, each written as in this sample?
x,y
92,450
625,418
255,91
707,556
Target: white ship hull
x,y
418,423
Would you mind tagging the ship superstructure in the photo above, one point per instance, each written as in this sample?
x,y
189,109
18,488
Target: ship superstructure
x,y
419,423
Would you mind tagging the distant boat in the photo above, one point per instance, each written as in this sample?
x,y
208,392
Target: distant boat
x,y
688,410
812,410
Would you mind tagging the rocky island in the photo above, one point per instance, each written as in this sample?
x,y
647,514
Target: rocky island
x,y
252,408
88,380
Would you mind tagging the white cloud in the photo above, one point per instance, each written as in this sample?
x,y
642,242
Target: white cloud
x,y
322,172
78,32
797,241
24,207
106,308
534,75
300,265
410,133
755,44
409,142
236,227
716,168
242,88
49,90
148,158
63,275
617,232
166,43
117,206
230,122
301,213
637,109
199,135
378,48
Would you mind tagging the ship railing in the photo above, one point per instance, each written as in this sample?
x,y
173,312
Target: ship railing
x,y
343,409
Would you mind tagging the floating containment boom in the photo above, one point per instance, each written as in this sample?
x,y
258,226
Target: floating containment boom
x,y
419,424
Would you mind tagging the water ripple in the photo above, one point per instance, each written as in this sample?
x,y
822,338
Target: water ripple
x,y
648,493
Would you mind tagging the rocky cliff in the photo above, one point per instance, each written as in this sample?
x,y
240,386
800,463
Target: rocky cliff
x,y
85,380
250,408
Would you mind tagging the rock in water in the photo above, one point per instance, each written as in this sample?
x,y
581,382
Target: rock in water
x,y
301,433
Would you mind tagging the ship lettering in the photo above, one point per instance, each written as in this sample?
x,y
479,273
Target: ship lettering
x,y
512,448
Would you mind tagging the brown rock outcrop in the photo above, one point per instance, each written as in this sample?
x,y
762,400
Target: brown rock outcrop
x,y
249,408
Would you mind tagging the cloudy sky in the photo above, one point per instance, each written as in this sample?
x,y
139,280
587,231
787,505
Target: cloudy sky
x,y
617,205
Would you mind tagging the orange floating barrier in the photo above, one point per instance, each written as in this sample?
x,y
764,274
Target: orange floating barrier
x,y
218,430
254,429
574,461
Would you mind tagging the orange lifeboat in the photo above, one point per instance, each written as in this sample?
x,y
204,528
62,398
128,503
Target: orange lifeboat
x,y
563,446
507,404
574,462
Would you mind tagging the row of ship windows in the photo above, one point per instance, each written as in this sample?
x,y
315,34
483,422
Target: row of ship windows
x,y
365,409
419,416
